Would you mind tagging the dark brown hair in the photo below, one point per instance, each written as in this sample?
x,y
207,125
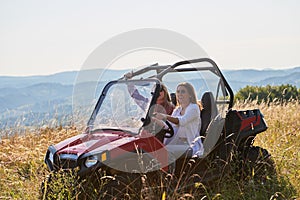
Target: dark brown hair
x,y
167,95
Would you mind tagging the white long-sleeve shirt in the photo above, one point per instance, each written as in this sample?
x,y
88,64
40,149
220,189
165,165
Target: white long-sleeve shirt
x,y
189,125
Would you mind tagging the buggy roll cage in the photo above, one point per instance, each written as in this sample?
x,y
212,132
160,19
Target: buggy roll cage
x,y
161,70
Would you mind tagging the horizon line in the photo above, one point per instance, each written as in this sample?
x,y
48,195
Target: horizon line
x,y
74,70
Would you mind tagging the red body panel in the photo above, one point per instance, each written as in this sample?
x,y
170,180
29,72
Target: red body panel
x,y
86,142
249,122
116,142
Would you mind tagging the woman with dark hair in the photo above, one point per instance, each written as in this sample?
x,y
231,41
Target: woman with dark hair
x,y
163,101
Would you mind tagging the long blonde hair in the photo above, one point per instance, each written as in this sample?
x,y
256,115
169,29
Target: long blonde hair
x,y
190,89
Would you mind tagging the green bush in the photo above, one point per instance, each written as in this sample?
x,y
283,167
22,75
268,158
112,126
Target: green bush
x,y
268,93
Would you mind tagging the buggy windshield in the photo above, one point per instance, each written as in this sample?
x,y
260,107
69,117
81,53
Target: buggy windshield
x,y
123,105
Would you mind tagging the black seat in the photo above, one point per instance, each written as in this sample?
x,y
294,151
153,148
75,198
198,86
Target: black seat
x,y
208,112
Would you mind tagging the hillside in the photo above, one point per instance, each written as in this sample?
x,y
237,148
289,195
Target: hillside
x,y
240,78
36,99
293,79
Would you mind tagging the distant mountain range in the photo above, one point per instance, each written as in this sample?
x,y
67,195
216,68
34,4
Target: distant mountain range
x,y
241,78
37,99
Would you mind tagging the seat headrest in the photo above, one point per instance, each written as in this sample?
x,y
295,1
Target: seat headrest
x,y
208,112
207,99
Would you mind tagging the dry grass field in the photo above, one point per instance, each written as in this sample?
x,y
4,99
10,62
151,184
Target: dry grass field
x,y
22,167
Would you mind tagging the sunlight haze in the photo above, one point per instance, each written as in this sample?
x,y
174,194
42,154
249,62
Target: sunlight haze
x,y
46,37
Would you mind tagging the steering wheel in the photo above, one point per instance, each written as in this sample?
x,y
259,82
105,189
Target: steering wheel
x,y
170,131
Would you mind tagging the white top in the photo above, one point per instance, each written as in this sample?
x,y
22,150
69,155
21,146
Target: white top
x,y
189,125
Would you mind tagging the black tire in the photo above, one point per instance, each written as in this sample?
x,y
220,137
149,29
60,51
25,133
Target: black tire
x,y
65,183
124,186
44,189
258,164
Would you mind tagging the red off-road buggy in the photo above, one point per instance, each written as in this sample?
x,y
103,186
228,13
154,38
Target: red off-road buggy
x,y
122,141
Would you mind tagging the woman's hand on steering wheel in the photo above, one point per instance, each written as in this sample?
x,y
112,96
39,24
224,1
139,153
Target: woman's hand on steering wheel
x,y
160,119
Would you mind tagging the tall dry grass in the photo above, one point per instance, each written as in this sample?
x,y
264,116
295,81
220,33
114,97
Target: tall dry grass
x,y
282,139
22,167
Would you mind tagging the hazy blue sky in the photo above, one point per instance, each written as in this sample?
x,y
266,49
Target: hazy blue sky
x,y
43,37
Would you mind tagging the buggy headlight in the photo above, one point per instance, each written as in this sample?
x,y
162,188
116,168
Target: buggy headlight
x,y
91,161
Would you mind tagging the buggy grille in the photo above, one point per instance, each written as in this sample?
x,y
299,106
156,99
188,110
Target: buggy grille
x,y
68,161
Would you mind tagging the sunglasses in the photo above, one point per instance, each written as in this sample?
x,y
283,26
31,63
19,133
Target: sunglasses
x,y
181,91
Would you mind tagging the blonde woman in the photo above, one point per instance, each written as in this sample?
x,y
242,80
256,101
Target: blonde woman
x,y
185,118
